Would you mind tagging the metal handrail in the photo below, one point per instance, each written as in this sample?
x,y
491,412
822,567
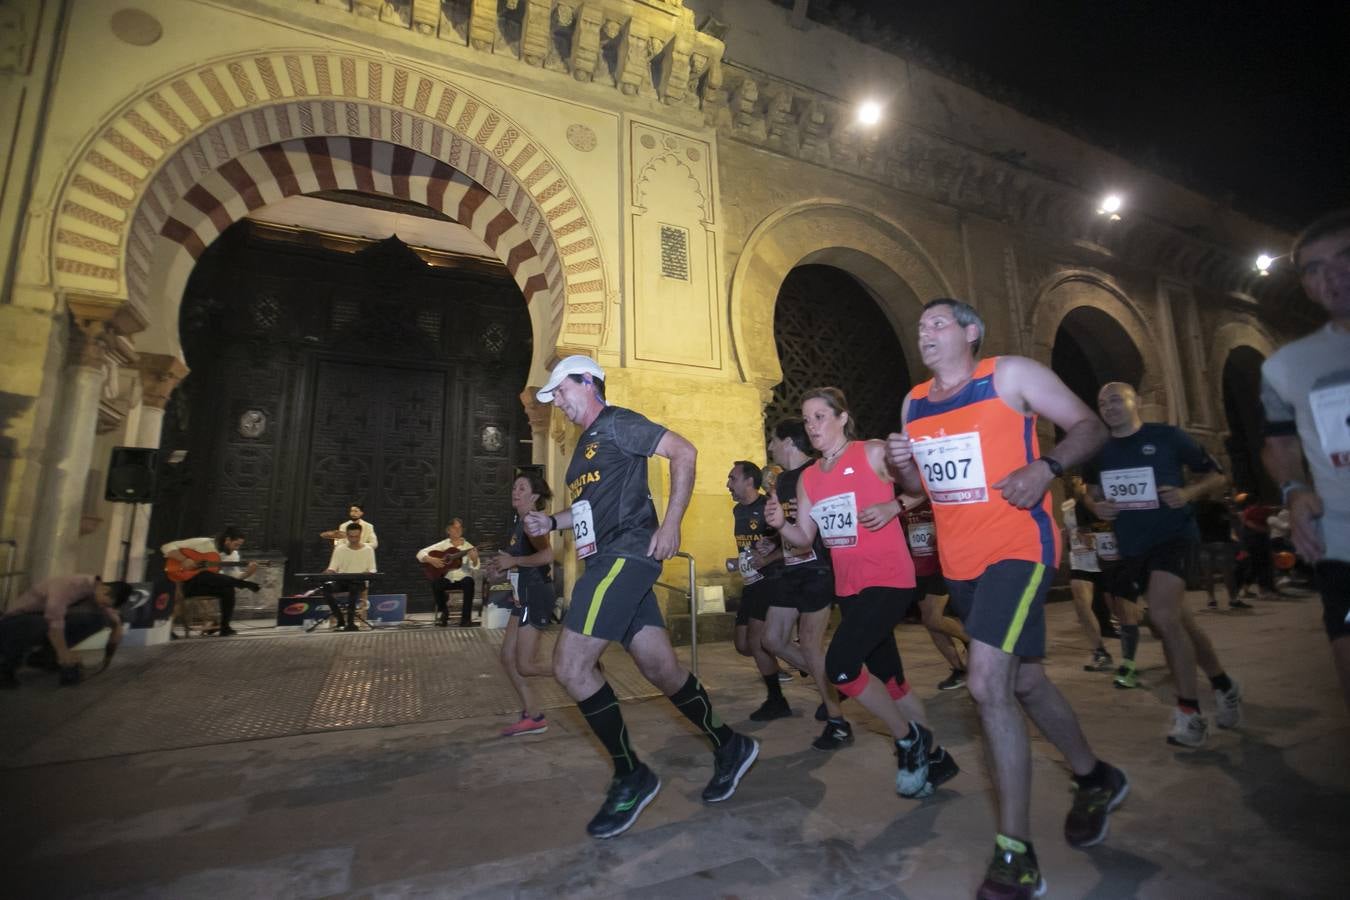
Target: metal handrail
x,y
693,611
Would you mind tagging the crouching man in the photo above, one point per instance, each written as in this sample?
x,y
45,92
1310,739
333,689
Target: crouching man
x,y
56,615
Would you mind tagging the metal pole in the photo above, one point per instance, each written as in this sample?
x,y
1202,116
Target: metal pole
x,y
693,615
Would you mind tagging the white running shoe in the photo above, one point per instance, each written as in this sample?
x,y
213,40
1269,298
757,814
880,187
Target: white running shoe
x,y
1188,729
1228,706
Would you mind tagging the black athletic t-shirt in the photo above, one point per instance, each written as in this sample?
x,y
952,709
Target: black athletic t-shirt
x,y
609,471
520,546
1131,469
750,527
786,489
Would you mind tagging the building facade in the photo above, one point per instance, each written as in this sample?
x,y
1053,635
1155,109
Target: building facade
x,y
646,173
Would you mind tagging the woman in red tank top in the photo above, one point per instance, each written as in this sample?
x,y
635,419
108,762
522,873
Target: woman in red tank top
x,y
849,498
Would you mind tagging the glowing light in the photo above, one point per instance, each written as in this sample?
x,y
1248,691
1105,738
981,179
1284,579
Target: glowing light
x,y
1264,262
869,112
1110,206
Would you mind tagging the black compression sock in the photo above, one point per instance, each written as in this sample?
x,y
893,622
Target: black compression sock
x,y
1222,682
602,713
774,687
692,700
1095,777
1129,640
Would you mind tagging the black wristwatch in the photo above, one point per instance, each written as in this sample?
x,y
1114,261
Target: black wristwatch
x,y
1055,468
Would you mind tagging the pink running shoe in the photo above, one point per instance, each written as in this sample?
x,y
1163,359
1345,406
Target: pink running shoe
x,y
526,725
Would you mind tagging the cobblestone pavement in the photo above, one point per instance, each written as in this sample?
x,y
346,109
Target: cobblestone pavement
x,y
368,766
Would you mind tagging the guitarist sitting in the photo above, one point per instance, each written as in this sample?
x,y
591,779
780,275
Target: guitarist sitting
x,y
449,555
206,562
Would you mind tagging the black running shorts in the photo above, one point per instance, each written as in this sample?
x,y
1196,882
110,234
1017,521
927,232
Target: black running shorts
x,y
755,600
536,604
613,598
1005,606
1130,578
1333,580
806,589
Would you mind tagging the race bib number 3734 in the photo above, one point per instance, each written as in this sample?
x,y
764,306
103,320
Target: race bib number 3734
x,y
953,468
837,519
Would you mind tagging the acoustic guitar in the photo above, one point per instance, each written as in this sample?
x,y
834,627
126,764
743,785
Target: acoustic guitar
x,y
453,559
179,573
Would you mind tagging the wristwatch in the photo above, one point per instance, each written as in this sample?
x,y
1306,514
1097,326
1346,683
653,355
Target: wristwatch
x,y
1055,468
1289,487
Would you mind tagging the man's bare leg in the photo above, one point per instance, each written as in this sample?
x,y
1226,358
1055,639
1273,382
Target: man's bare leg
x,y
992,682
1053,716
1165,593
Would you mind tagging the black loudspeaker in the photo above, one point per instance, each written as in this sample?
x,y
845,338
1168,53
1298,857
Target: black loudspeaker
x,y
131,475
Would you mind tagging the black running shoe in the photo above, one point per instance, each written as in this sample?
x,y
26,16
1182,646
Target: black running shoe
x,y
836,735
911,777
1087,824
953,681
942,768
773,708
627,798
823,714
729,764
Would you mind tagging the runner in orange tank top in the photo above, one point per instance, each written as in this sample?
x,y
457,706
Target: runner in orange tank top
x,y
970,442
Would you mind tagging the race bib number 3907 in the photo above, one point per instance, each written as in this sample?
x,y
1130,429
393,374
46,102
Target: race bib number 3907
x,y
953,468
583,528
1131,488
837,518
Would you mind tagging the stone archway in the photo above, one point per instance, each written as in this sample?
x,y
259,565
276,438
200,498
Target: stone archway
x,y
1070,291
1236,352
177,164
880,254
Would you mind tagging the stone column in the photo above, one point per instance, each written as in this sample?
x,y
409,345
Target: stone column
x,y
160,374
96,323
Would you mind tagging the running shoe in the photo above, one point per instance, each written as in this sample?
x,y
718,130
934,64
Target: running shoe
x,y
730,763
626,799
836,735
953,681
1228,706
1087,824
773,708
911,777
1011,875
1240,604
823,714
526,725
942,768
1126,678
1188,729
1101,661
784,676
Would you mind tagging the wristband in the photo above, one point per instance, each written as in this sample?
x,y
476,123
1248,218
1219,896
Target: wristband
x,y
1288,488
1055,468
552,523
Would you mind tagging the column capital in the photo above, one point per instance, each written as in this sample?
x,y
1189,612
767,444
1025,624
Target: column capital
x,y
160,374
117,313
538,413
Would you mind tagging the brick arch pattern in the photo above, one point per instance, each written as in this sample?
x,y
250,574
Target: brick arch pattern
x,y
127,188
876,251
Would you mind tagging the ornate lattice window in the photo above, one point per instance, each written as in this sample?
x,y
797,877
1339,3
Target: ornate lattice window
x,y
829,331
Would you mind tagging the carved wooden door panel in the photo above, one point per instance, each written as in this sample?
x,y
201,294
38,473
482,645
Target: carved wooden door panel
x,y
376,440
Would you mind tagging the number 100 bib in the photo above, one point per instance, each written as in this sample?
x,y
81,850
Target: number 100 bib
x,y
952,468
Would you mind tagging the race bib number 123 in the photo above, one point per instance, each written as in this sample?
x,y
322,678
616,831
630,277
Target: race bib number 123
x,y
583,528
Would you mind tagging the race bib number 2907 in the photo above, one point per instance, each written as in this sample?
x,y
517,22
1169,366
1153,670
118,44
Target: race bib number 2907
x,y
953,468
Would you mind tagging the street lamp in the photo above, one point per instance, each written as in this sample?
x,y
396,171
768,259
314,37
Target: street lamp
x,y
1264,262
869,112
1110,206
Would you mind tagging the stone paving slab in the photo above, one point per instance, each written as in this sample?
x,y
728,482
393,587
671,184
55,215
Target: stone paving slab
x,y
443,808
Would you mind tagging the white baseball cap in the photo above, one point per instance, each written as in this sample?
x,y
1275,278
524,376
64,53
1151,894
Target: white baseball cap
x,y
572,365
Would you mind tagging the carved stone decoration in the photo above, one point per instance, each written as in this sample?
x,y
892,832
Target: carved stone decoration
x,y
136,27
492,439
483,25
537,413
252,424
634,50
536,32
582,137
585,54
18,25
160,374
426,16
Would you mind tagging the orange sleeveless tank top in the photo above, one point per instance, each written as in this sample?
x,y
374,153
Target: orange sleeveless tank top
x,y
963,445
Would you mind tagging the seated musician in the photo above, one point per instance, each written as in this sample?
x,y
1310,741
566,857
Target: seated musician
x,y
351,558
55,616
450,555
219,584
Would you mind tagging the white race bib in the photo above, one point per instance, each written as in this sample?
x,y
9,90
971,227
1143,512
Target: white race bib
x,y
583,528
796,556
953,468
837,518
1107,549
749,573
1331,413
513,576
923,539
1131,488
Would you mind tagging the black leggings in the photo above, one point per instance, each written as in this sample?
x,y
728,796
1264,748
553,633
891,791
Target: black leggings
x,y
866,635
214,584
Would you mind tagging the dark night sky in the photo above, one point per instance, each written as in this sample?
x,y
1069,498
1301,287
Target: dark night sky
x,y
1243,101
